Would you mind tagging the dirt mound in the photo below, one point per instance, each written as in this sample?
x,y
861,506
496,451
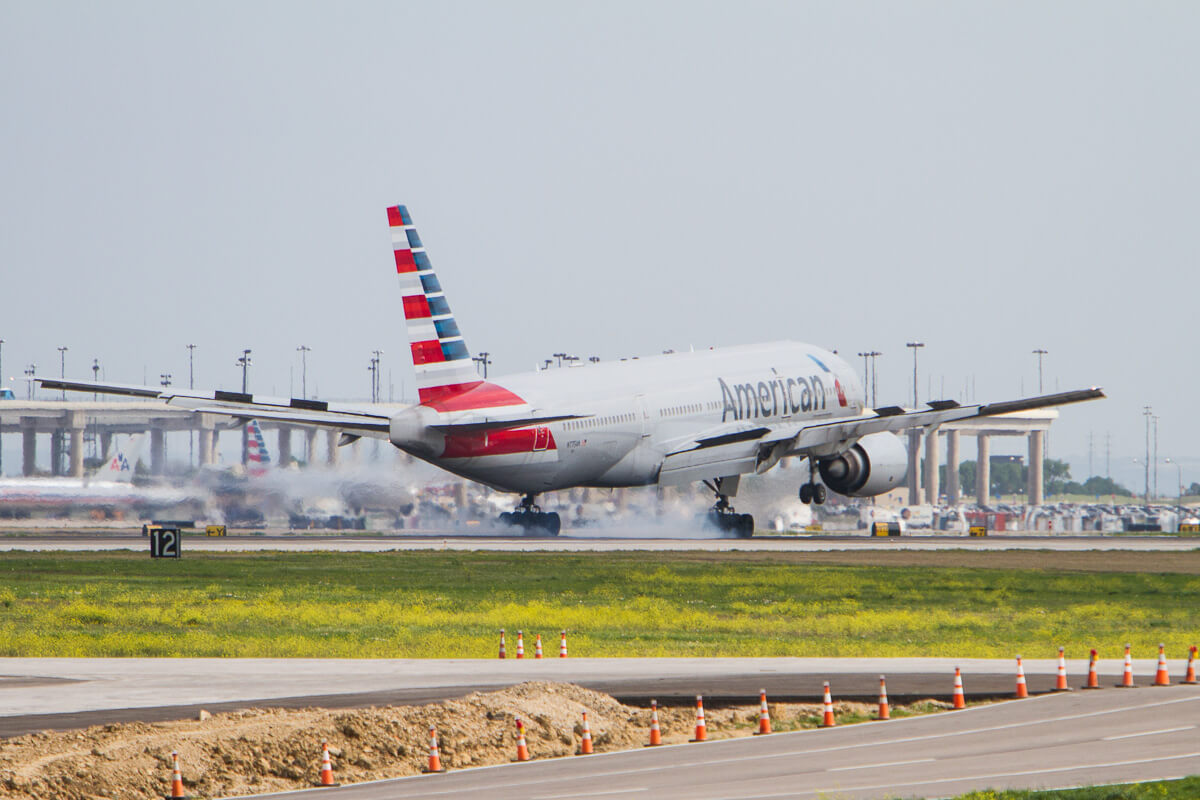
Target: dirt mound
x,y
260,750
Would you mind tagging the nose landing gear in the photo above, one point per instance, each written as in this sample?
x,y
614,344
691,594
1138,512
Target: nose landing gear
x,y
531,519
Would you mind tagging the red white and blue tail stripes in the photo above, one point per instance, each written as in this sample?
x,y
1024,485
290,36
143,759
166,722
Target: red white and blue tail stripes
x,y
256,449
440,356
446,375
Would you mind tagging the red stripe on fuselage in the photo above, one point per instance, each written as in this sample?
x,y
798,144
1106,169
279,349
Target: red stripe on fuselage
x,y
467,396
495,443
404,260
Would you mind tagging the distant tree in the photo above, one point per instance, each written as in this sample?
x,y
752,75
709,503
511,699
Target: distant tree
x,y
1193,490
1055,476
966,476
1097,486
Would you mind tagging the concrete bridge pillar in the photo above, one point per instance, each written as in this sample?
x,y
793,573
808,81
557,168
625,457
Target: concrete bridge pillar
x,y
105,443
208,440
952,491
285,445
28,445
914,467
1035,472
56,451
983,470
933,488
158,451
75,423
310,446
331,451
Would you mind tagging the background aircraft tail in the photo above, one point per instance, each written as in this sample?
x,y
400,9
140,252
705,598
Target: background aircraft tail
x,y
440,356
120,461
258,457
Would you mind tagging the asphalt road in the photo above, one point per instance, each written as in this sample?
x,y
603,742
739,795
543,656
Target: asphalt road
x,y
64,693
633,538
1048,741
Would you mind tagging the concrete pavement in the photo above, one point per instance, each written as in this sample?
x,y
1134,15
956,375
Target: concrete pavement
x,y
1052,740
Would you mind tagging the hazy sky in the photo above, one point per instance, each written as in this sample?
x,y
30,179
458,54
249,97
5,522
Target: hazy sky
x,y
612,179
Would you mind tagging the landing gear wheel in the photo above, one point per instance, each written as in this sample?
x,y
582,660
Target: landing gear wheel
x,y
818,493
745,527
806,493
531,519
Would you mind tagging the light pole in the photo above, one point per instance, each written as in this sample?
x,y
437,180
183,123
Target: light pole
x,y
62,365
303,350
915,346
375,387
95,374
1039,352
560,357
1155,455
191,348
164,379
30,371
874,354
594,359
483,361
1179,475
1147,414
244,362
866,372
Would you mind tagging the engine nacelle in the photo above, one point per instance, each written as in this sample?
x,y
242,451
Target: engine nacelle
x,y
875,465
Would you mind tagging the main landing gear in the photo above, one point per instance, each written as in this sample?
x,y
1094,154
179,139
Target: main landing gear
x,y
812,492
723,517
532,519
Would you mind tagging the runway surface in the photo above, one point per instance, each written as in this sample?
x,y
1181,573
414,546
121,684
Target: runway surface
x,y
1053,740
64,693
627,539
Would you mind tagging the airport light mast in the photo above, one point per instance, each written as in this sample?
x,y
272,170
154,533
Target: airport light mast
x,y
244,362
1147,414
915,346
30,371
483,361
303,350
1039,352
62,358
1179,471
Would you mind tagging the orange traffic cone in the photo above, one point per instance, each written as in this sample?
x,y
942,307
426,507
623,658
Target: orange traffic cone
x,y
503,654
585,743
959,700
1190,675
655,732
537,647
1161,678
1127,680
1022,689
435,756
1093,680
520,644
176,780
562,648
522,748
884,710
828,721
701,731
327,767
1060,685
764,717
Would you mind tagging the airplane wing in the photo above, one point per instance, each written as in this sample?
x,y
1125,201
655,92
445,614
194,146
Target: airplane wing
x,y
730,450
360,421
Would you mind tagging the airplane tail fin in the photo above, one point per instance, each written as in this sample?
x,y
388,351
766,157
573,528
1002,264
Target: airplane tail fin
x,y
259,458
440,356
119,462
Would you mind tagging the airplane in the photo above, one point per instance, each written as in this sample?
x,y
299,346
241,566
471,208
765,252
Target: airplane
x,y
711,415
108,488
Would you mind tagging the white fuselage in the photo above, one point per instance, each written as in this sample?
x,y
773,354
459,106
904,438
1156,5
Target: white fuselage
x,y
632,413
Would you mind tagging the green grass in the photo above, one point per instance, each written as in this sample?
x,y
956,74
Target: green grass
x,y
1186,789
451,604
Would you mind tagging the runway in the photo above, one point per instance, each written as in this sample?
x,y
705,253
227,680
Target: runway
x,y
584,540
1053,740
64,693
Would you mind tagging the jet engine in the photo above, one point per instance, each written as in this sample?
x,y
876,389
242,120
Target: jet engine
x,y
876,464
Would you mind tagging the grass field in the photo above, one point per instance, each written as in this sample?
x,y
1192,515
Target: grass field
x,y
451,604
1186,789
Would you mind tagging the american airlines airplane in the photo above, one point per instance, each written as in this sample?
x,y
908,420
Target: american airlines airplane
x,y
710,416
